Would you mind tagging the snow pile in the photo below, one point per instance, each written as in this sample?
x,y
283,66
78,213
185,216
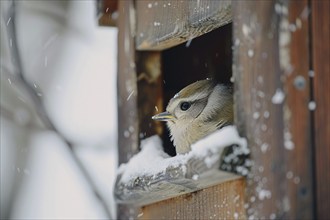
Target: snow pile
x,y
278,97
222,138
151,160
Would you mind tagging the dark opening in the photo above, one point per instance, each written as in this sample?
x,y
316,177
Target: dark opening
x,y
208,56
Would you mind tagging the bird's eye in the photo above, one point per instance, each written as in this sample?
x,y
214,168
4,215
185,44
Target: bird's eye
x,y
185,106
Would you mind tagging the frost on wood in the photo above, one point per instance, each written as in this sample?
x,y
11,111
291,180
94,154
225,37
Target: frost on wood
x,y
278,97
152,175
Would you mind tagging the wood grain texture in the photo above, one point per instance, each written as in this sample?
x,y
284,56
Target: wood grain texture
x,y
126,94
189,176
271,56
298,145
127,86
320,62
222,201
164,24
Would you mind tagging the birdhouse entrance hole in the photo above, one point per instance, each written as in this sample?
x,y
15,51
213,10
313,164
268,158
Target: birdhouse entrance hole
x,y
207,56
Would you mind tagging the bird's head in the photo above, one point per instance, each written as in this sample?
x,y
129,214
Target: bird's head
x,y
197,110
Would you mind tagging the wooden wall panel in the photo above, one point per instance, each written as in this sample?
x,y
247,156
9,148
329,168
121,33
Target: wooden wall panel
x,y
275,45
127,86
271,64
298,145
127,94
321,56
164,24
223,201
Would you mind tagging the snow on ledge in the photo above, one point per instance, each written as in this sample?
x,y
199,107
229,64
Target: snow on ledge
x,y
152,160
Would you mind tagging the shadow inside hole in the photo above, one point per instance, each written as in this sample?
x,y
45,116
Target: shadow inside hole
x,y
208,56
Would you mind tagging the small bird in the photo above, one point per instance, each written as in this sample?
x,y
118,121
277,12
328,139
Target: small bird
x,y
196,111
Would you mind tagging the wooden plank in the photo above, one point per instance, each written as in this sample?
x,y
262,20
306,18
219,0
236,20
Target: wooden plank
x,y
223,201
164,24
127,86
297,118
270,71
146,190
255,75
184,173
127,94
320,62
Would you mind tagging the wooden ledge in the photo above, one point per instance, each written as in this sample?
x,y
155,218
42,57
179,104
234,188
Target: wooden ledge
x,y
162,177
164,24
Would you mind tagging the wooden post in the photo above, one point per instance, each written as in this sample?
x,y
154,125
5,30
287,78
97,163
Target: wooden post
x,y
321,81
127,93
127,86
271,65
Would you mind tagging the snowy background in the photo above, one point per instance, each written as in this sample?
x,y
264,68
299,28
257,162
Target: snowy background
x,y
70,62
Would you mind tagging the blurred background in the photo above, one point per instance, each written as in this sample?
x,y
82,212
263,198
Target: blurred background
x,y
58,111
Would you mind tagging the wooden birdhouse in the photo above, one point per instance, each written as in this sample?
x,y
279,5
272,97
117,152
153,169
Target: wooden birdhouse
x,y
276,53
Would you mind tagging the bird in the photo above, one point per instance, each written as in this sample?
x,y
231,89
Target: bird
x,y
196,111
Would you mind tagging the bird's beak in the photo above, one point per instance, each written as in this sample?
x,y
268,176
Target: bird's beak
x,y
164,116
